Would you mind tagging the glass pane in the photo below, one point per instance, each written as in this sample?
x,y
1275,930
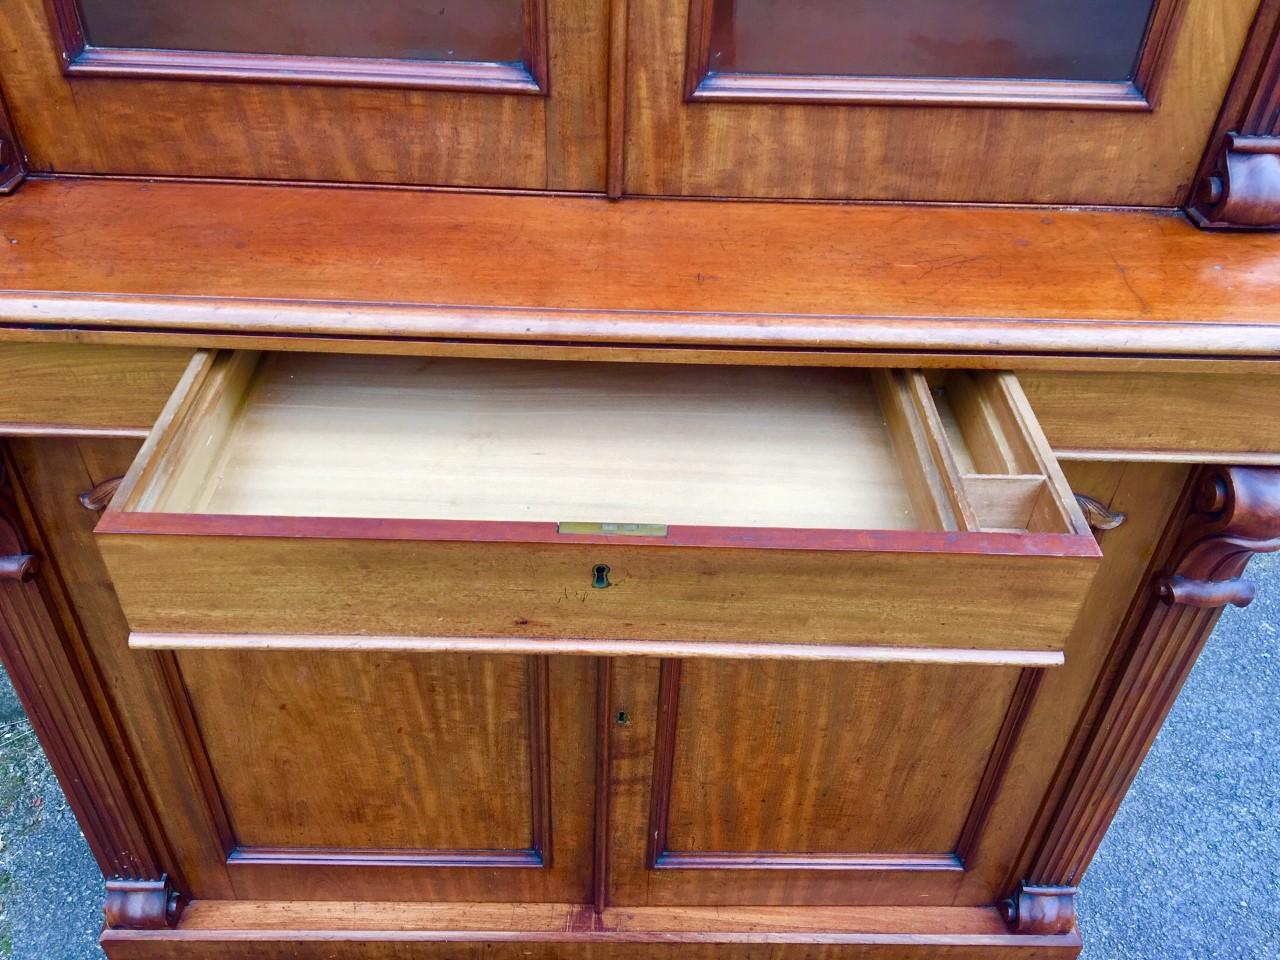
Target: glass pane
x,y
1016,39
472,30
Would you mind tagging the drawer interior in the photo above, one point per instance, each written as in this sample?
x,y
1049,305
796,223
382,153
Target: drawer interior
x,y
312,435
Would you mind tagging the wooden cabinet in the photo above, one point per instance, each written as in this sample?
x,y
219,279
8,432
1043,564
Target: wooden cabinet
x,y
503,570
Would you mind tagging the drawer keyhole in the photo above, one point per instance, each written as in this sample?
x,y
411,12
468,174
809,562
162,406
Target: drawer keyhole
x,y
600,576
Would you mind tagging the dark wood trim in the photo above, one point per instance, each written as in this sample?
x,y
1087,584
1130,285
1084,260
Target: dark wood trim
x,y
1140,94
1238,184
339,857
13,160
535,46
1228,515
697,54
616,171
737,860
539,714
664,752
326,71
1020,704
56,678
912,91
1157,49
604,783
82,59
495,531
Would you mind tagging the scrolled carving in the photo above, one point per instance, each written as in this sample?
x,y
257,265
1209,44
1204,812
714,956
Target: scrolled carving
x,y
1238,184
140,904
1236,514
1041,910
1244,188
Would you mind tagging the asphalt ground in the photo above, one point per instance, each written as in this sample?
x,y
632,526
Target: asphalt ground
x,y
1189,871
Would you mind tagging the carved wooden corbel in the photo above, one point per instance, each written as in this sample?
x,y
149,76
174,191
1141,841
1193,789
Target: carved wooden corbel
x,y
1243,190
1041,910
1235,514
1238,184
141,904
1229,514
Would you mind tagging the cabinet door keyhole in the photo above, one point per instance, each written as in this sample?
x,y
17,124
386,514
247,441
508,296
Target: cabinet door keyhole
x,y
600,576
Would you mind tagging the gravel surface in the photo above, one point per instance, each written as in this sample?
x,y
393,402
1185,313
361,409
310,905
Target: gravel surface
x,y
1189,871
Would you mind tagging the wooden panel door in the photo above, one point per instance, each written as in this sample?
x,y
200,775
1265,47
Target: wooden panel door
x,y
812,783
494,93
1051,101
789,783
321,776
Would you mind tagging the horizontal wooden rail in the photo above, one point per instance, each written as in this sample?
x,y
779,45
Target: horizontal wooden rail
x,y
709,649
208,259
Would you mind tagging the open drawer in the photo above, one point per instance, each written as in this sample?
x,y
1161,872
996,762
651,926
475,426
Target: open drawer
x,y
289,501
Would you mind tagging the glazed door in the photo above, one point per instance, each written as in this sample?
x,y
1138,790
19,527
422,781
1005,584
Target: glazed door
x,y
494,93
1044,101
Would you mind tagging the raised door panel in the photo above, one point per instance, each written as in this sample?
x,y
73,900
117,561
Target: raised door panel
x,y
500,93
1045,101
790,783
824,780
378,756
385,776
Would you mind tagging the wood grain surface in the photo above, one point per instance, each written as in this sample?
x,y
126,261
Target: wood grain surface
x,y
223,258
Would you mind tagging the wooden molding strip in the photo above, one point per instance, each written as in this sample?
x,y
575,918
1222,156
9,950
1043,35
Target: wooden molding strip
x,y
970,543
1140,93
65,430
527,76
922,91
735,860
332,858
597,648
216,315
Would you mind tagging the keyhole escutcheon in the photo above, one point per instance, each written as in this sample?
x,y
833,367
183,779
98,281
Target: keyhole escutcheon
x,y
600,576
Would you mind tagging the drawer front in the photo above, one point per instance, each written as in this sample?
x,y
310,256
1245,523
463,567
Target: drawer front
x,y
83,388
293,588
987,532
